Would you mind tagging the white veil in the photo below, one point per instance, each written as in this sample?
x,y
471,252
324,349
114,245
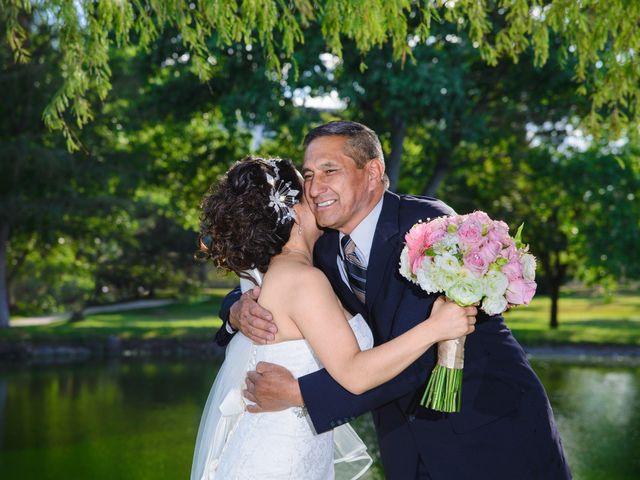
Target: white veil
x,y
350,456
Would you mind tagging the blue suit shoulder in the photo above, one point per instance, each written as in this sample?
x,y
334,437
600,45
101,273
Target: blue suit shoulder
x,y
413,208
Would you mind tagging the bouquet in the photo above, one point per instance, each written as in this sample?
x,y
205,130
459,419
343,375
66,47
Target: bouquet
x,y
472,260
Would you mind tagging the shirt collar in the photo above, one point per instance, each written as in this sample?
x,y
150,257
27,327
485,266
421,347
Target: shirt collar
x,y
362,235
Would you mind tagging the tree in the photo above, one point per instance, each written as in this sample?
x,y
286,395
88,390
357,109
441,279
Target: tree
x,y
602,38
119,218
49,195
580,209
443,101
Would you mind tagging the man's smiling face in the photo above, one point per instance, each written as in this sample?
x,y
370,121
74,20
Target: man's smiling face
x,y
340,194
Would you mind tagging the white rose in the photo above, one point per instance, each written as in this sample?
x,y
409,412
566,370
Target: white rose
x,y
441,278
495,283
424,276
494,305
447,244
467,290
528,266
405,266
447,262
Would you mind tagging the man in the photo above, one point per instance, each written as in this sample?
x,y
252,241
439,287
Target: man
x,y
505,429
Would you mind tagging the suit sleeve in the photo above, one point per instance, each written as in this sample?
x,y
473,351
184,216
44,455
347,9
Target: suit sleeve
x,y
330,405
223,336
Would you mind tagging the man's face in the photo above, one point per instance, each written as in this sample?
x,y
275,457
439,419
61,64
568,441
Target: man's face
x,y
340,194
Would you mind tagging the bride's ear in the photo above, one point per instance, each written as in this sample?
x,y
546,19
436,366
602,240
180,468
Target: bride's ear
x,y
297,209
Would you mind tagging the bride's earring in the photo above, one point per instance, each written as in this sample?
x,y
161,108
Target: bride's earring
x,y
300,228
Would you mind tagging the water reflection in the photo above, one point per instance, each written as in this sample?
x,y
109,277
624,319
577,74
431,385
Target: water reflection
x,y
598,413
3,408
138,420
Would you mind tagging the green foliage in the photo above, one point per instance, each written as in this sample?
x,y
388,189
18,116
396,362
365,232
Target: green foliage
x,y
599,39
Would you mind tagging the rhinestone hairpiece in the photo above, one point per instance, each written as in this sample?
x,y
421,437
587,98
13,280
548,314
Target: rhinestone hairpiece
x,y
282,196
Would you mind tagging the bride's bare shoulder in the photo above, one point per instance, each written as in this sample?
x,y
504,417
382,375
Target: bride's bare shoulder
x,y
296,275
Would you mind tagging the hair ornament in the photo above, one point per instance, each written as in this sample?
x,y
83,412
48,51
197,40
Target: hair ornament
x,y
282,196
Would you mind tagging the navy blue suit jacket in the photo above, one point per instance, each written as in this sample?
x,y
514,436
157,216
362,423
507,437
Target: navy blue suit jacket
x,y
498,382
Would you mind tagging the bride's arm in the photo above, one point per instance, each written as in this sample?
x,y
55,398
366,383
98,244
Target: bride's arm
x,y
318,315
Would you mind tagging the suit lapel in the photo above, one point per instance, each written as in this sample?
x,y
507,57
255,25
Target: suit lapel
x,y
383,248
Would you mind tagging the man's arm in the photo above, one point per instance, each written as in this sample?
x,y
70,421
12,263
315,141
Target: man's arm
x,y
226,331
273,388
242,312
318,387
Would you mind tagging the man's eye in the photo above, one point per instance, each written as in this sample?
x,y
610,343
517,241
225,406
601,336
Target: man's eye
x,y
331,170
306,178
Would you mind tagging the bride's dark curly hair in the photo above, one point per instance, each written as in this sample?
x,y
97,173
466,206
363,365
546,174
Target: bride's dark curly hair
x,y
239,230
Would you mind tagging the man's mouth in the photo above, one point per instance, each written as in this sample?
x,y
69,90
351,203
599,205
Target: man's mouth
x,y
326,203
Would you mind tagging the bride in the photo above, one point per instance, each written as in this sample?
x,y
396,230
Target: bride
x,y
256,220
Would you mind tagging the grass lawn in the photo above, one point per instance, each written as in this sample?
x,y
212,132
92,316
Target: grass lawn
x,y
583,320
195,319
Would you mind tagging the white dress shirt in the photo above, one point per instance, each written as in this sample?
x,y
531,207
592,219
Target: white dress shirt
x,y
362,236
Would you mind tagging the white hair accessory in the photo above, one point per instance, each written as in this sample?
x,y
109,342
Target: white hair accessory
x,y
282,196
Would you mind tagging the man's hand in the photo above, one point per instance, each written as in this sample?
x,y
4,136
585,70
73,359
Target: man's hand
x,y
251,319
272,388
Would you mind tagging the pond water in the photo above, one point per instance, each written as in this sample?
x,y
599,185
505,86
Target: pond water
x,y
138,420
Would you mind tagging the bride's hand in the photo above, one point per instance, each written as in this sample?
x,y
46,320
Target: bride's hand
x,y
251,319
448,320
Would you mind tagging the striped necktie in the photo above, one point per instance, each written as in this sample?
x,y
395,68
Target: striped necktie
x,y
355,267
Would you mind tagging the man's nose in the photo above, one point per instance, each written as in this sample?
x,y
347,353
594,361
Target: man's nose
x,y
314,187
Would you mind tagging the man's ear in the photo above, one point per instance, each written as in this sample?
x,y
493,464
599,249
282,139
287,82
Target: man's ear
x,y
375,170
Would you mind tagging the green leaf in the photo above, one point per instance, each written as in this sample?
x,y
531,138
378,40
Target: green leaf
x,y
518,237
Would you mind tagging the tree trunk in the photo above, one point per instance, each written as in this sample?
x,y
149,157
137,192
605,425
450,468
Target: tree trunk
x,y
556,273
444,160
4,293
398,132
555,296
76,316
442,169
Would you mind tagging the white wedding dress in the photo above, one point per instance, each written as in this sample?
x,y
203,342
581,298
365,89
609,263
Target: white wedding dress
x,y
234,444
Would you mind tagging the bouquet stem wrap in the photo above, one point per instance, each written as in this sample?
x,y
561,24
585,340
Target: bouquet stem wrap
x,y
443,392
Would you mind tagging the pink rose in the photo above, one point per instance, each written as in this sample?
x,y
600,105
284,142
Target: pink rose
x,y
470,232
499,232
415,236
476,263
480,216
415,239
421,237
513,270
434,234
510,253
520,292
490,251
